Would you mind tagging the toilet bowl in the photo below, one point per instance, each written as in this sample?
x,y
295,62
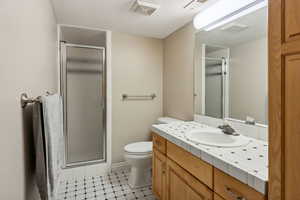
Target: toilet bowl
x,y
139,156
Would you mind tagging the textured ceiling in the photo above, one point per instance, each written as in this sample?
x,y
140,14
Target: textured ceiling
x,y
115,15
257,23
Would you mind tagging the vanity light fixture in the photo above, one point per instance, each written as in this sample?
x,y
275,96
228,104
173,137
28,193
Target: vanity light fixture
x,y
223,12
194,4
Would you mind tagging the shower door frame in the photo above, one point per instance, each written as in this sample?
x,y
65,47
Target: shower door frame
x,y
225,79
63,89
224,85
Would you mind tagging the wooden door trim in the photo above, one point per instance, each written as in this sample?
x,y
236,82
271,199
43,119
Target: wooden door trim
x,y
276,100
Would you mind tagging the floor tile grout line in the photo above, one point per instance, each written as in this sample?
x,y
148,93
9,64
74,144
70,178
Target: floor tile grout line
x,y
111,186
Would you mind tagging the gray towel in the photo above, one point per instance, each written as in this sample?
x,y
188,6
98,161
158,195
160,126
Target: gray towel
x,y
39,143
50,152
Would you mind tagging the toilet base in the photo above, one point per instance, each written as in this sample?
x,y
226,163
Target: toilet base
x,y
140,177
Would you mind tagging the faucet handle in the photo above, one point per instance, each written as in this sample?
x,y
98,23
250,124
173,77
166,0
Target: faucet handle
x,y
221,127
227,129
225,126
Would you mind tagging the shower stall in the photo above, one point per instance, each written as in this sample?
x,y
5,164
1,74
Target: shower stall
x,y
83,88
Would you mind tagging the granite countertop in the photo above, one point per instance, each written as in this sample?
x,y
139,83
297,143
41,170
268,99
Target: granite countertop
x,y
248,164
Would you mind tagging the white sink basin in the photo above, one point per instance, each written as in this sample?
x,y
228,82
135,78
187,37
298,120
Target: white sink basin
x,y
215,137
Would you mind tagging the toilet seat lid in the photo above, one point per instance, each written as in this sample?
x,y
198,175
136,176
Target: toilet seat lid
x,y
139,147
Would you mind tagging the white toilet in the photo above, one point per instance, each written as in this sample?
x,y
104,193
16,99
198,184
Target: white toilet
x,y
139,156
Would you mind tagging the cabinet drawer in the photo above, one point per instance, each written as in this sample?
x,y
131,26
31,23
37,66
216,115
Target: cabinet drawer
x,y
197,167
231,189
159,143
159,162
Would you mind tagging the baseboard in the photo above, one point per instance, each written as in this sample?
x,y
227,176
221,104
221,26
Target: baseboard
x,y
92,170
82,171
119,166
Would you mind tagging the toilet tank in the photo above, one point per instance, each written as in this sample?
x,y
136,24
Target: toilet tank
x,y
167,120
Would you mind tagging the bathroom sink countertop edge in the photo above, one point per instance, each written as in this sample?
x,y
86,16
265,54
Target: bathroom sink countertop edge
x,y
248,163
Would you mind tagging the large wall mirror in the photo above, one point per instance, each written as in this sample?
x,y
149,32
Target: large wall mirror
x,y
230,75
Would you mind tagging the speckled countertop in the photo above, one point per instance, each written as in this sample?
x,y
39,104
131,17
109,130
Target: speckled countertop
x,y
248,163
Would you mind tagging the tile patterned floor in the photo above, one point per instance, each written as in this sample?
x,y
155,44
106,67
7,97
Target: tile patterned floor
x,y
112,186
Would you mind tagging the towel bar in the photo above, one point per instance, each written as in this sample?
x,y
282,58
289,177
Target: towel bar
x,y
26,100
138,97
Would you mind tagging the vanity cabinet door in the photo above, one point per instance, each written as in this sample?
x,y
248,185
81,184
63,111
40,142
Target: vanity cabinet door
x,y
292,127
292,20
192,195
177,188
183,186
159,175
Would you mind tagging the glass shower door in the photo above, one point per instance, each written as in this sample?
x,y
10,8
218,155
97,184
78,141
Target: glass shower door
x,y
83,81
214,87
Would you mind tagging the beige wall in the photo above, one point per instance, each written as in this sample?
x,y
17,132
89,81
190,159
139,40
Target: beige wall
x,y
248,80
137,64
178,73
27,64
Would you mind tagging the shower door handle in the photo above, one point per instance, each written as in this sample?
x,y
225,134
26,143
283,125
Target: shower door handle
x,y
102,104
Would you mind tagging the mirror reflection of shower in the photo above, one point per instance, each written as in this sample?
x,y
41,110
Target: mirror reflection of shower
x,y
246,84
215,87
83,87
213,68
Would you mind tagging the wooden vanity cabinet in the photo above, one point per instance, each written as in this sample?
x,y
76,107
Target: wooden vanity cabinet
x,y
159,162
179,175
172,182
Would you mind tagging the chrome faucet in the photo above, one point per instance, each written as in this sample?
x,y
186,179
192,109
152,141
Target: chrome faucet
x,y
228,130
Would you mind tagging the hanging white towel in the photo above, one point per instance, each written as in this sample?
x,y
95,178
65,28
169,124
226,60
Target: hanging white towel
x,y
53,130
48,139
